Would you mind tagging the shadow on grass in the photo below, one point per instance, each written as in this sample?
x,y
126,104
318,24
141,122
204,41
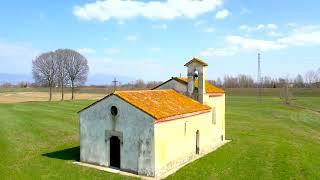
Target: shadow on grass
x,y
65,154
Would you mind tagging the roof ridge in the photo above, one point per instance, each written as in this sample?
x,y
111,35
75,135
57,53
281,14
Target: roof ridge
x,y
198,60
142,90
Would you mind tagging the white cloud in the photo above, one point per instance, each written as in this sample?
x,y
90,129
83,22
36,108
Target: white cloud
x,y
121,9
123,67
209,29
292,24
223,14
259,27
271,26
302,36
274,34
131,38
253,44
8,49
86,51
111,51
298,39
160,26
16,57
226,51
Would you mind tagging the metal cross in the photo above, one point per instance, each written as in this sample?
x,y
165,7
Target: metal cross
x,y
114,84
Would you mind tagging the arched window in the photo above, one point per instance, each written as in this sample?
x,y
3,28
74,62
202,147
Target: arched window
x,y
195,74
114,111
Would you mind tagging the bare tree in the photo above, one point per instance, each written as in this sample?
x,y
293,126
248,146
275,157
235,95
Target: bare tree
x,y
6,85
219,82
230,82
77,68
44,70
140,84
310,77
286,95
298,81
23,84
318,76
245,81
62,78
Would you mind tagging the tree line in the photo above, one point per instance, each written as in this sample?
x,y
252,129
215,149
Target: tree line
x,y
66,67
60,68
310,79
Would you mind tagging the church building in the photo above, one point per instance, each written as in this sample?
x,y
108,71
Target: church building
x,y
150,132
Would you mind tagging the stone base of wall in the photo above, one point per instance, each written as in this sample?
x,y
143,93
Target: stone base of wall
x,y
162,173
111,170
173,166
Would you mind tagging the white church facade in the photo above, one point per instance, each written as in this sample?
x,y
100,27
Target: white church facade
x,y
150,132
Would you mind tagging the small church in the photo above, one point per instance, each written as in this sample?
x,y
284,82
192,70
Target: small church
x,y
150,132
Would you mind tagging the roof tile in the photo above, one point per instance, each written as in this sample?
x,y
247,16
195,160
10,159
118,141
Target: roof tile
x,y
210,88
161,103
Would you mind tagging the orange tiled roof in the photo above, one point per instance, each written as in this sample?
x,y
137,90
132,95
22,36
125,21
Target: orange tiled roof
x,y
210,88
161,103
196,60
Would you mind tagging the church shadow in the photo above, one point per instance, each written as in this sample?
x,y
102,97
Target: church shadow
x,y
65,154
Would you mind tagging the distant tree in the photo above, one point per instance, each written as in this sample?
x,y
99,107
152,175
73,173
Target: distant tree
x,y
6,85
281,82
230,82
77,68
219,82
286,95
23,84
152,84
267,82
318,75
139,84
311,77
298,81
44,70
62,78
245,81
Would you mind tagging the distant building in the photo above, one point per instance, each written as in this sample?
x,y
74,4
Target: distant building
x,y
316,84
149,132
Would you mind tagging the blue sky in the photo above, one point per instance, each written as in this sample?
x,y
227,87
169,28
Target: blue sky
x,y
153,39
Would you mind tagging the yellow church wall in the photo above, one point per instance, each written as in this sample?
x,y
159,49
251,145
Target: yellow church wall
x,y
218,103
175,141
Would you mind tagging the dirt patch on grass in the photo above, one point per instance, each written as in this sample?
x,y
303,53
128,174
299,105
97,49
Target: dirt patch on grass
x,y
14,97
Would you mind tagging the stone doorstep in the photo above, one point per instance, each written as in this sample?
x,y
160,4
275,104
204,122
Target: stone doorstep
x,y
117,171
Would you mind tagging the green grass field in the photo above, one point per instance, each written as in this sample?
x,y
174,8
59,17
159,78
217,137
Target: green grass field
x,y
269,141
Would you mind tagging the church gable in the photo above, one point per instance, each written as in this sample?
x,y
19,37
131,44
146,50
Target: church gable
x,y
180,84
196,61
173,83
158,104
112,105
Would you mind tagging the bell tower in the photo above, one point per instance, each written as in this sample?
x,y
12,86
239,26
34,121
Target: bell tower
x,y
196,79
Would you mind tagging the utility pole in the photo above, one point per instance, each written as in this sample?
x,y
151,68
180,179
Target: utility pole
x,y
259,85
114,84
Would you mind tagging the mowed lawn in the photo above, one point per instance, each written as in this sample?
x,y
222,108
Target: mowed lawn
x,y
269,141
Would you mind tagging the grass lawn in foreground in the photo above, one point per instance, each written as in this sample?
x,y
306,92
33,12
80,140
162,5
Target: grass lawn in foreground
x,y
269,141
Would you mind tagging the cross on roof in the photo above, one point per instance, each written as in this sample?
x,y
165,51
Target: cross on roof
x,y
114,84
